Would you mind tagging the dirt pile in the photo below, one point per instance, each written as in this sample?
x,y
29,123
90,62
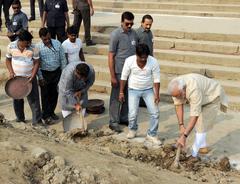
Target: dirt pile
x,y
34,164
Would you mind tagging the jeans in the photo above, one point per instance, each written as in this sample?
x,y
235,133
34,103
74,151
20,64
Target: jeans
x,y
133,103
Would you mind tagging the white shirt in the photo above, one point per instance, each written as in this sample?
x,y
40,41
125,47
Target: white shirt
x,y
138,78
72,49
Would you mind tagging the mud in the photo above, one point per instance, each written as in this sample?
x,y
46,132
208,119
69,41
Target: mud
x,y
40,165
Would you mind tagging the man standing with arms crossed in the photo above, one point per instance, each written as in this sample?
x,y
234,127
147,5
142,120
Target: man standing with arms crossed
x,y
123,42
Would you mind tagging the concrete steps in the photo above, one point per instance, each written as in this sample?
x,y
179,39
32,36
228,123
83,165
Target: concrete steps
x,y
192,8
182,44
180,56
103,85
171,68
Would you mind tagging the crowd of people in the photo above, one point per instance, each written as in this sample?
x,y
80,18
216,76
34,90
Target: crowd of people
x,y
58,66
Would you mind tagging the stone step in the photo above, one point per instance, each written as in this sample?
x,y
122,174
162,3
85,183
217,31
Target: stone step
x,y
103,87
34,27
184,1
231,87
168,6
223,74
174,12
180,56
182,44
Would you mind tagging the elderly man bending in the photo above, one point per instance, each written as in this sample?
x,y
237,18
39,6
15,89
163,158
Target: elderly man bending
x,y
205,96
76,79
143,74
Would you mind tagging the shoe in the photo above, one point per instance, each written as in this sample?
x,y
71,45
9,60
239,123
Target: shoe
x,y
21,120
47,121
204,151
31,19
39,123
131,134
115,128
90,43
54,116
154,140
124,123
192,159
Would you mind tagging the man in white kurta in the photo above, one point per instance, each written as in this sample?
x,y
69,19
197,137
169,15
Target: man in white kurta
x,y
205,97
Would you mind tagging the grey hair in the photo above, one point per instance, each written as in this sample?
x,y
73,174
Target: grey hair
x,y
176,83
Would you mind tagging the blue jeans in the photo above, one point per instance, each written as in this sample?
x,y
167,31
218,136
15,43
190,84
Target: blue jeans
x,y
133,104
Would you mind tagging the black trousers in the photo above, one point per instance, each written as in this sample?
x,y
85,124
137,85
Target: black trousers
x,y
33,100
58,32
83,14
118,112
49,92
5,4
32,7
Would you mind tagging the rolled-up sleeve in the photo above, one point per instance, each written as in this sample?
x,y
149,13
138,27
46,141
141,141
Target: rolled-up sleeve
x,y
156,73
126,70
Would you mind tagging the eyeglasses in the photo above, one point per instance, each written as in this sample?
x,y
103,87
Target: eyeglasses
x,y
129,23
15,7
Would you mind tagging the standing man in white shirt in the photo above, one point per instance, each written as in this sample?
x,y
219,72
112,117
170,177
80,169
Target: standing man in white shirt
x,y
143,74
73,46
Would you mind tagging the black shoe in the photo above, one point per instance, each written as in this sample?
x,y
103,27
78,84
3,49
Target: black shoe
x,y
31,19
90,43
39,123
54,117
115,128
47,121
21,120
124,123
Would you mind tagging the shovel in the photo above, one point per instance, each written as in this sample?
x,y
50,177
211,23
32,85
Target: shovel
x,y
75,120
176,166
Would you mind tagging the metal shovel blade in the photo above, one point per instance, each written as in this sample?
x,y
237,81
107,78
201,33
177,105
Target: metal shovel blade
x,y
72,121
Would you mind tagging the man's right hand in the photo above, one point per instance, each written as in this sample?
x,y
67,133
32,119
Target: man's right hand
x,y
121,97
12,75
114,82
42,82
77,107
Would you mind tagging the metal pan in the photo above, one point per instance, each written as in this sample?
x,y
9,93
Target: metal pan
x,y
18,87
95,106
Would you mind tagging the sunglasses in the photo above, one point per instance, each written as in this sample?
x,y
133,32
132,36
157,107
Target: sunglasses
x,y
15,7
129,24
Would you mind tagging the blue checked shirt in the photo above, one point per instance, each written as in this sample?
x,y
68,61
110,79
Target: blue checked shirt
x,y
51,58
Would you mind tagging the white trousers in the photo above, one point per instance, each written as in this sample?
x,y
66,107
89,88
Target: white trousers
x,y
199,142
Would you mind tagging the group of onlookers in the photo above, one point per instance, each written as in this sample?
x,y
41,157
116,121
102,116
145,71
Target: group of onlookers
x,y
62,73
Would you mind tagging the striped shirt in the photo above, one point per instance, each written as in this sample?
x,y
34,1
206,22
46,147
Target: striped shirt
x,y
22,62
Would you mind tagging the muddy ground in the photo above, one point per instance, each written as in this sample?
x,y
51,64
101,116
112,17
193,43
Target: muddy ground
x,y
45,155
